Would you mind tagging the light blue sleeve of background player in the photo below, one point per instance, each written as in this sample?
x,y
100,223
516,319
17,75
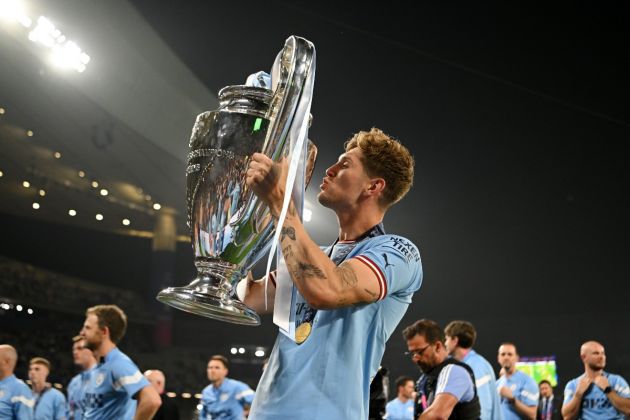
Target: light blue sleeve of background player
x,y
529,391
619,385
455,380
244,394
569,390
127,376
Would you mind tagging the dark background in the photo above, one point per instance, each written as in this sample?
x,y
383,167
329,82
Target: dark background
x,y
518,118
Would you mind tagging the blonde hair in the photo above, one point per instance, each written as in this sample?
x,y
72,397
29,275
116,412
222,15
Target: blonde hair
x,y
385,157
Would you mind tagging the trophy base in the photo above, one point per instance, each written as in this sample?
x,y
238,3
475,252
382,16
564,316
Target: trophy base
x,y
192,300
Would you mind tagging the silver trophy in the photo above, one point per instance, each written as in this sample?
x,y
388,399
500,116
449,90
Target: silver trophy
x,y
230,228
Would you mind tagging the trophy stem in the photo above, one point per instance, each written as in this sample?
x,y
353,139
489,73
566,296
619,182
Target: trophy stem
x,y
209,294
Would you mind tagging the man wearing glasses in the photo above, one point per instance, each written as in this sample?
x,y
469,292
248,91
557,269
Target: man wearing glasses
x,y
446,388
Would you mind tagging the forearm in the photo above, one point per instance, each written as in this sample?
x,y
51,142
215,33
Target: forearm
x,y
429,414
529,412
145,411
254,296
317,278
571,409
620,403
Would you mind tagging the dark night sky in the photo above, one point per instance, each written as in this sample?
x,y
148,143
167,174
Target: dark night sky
x,y
518,118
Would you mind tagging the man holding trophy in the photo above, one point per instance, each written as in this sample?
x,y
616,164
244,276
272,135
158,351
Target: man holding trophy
x,y
335,307
354,293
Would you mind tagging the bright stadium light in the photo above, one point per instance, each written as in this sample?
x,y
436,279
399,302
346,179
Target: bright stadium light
x,y
233,350
66,54
260,353
44,33
13,11
69,56
241,350
308,215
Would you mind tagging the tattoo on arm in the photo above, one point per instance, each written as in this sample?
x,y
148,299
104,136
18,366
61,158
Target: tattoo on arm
x,y
347,275
371,293
287,231
309,270
287,251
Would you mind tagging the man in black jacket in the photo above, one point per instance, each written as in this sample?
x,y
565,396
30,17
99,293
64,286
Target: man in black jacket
x,y
446,388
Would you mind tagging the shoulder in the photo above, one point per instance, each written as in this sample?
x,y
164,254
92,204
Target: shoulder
x,y
58,395
21,386
454,371
524,378
396,244
207,389
572,383
615,378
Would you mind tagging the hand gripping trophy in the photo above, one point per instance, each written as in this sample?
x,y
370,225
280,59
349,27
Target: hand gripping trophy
x,y
230,228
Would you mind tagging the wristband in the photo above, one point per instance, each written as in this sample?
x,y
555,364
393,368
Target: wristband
x,y
607,390
511,400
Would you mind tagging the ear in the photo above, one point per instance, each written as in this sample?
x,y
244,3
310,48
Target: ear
x,y
376,186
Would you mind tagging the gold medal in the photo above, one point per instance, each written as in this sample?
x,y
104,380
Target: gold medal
x,y
302,332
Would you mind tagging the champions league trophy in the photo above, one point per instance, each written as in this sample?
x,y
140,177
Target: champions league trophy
x,y
230,228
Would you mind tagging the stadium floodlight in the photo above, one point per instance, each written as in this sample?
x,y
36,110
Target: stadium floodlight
x,y
13,11
66,54
44,32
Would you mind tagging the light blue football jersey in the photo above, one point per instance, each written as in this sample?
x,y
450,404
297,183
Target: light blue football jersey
x,y
486,386
49,405
523,388
16,399
112,384
328,376
595,404
225,402
398,410
76,391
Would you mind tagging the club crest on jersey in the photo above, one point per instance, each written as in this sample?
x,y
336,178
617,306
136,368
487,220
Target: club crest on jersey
x,y
1,393
224,396
98,379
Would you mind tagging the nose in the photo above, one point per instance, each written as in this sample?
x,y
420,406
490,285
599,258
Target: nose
x,y
332,171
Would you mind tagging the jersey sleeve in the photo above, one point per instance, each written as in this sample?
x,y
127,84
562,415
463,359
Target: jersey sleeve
x,y
569,390
59,407
455,380
620,386
244,394
529,392
127,377
395,261
23,403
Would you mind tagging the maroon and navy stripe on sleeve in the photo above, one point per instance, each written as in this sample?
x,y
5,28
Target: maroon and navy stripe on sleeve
x,y
377,272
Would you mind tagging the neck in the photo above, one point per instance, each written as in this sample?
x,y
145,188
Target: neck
x,y
217,383
402,398
511,371
5,374
104,349
460,353
89,365
39,387
355,223
592,373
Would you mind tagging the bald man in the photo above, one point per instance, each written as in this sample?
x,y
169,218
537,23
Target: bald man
x,y
168,410
16,400
596,394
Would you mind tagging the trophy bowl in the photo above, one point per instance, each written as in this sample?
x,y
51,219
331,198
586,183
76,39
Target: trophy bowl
x,y
230,228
